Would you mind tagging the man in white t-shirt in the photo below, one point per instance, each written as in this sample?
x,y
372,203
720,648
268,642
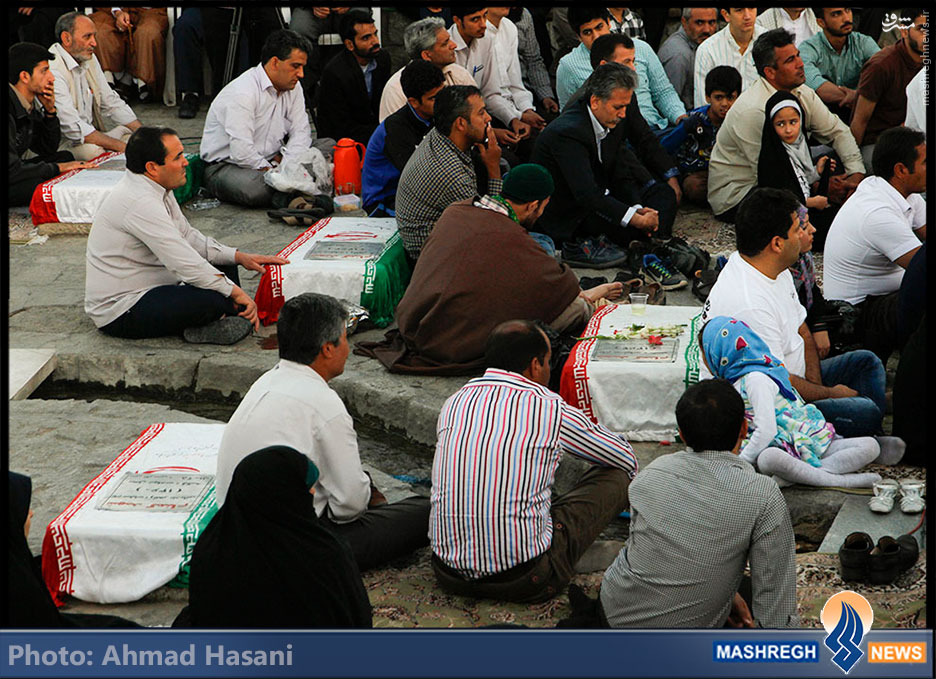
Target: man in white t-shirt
x,y
756,287
875,235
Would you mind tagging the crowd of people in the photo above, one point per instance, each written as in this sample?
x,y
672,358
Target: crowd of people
x,y
509,149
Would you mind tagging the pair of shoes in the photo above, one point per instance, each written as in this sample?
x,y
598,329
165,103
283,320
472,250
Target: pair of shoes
x,y
304,210
862,561
124,91
588,282
661,271
703,282
189,106
227,330
685,258
885,493
593,253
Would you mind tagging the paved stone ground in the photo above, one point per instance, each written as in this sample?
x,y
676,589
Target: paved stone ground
x,y
65,443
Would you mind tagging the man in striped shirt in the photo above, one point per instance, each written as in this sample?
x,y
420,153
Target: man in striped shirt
x,y
493,529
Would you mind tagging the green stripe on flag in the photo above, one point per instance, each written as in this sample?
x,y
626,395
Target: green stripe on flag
x,y
385,281
692,355
191,529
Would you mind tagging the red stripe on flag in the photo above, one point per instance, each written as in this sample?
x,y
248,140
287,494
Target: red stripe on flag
x,y
573,383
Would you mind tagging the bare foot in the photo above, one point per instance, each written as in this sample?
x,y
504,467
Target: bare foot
x,y
609,291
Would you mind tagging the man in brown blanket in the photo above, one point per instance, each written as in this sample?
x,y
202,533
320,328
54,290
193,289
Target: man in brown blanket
x,y
479,268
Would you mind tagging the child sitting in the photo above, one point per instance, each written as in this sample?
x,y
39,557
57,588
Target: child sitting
x,y
787,437
690,143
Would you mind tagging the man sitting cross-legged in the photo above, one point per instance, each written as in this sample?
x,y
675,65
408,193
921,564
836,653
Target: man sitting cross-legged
x,y
697,517
494,530
292,405
141,247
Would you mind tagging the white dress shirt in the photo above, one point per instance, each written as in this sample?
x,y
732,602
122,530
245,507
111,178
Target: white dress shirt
x,y
292,405
140,240
480,60
506,50
80,88
393,99
249,120
872,230
600,133
802,28
916,101
722,50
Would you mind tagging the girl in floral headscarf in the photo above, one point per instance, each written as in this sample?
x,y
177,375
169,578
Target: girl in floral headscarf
x,y
787,437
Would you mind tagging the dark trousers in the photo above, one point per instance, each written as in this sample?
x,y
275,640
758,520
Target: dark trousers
x,y
208,28
170,309
21,189
578,518
659,195
38,26
386,532
911,413
877,325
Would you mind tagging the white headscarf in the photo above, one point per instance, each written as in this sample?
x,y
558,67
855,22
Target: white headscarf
x,y
798,151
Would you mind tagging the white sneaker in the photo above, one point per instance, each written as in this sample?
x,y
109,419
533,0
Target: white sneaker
x,y
911,500
885,492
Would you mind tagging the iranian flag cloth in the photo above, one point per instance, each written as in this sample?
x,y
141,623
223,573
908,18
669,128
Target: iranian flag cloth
x,y
73,197
133,527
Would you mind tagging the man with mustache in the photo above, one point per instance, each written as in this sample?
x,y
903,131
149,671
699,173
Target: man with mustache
x,y
250,119
352,82
678,53
834,58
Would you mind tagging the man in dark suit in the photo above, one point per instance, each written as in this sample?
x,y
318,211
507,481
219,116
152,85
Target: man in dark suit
x,y
352,82
605,196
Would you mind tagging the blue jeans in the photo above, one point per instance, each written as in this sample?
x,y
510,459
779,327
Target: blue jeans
x,y
545,242
859,415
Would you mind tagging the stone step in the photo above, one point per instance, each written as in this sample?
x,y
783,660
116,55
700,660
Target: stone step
x,y
854,516
28,368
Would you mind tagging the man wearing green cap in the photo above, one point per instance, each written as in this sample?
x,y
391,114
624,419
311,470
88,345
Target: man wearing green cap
x,y
481,266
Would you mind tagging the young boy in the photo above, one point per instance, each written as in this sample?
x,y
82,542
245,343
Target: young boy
x,y
691,142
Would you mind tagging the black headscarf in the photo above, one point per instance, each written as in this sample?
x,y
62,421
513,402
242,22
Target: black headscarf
x,y
774,168
265,560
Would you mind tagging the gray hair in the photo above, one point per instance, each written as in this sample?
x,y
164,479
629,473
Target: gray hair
x,y
687,11
607,78
66,24
306,323
421,35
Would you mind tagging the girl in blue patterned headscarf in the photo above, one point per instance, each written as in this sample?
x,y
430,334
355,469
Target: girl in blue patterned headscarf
x,y
733,351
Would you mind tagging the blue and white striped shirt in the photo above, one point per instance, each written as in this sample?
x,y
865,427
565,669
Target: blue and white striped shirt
x,y
500,439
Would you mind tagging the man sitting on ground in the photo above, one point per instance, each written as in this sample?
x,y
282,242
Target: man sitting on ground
x,y
141,247
292,405
756,287
442,170
33,124
479,267
603,192
425,40
670,573
352,82
876,234
86,105
678,53
252,118
733,166
518,545
396,138
731,46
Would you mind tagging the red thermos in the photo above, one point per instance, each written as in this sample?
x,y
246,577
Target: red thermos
x,y
349,163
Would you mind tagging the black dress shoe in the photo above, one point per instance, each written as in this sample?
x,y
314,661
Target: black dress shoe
x,y
125,91
909,552
145,95
189,106
854,557
884,562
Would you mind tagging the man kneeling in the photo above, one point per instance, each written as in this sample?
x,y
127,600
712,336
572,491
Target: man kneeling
x,y
697,516
292,405
494,531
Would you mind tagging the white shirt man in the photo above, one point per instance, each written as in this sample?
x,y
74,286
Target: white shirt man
x,y
480,60
723,50
802,27
507,54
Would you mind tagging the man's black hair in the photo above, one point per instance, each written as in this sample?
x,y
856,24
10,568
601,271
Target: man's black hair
x,y
709,415
723,79
764,50
25,56
909,14
582,15
452,103
763,214
604,46
346,27
419,77
461,11
306,323
896,145
513,345
281,43
146,145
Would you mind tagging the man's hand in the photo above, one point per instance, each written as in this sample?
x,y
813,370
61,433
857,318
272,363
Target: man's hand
x,y
320,12
533,119
250,307
823,345
520,128
491,153
75,165
47,98
376,497
819,203
677,189
740,615
842,391
256,262
841,187
680,118
551,105
122,21
646,219
25,10
504,136
849,97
